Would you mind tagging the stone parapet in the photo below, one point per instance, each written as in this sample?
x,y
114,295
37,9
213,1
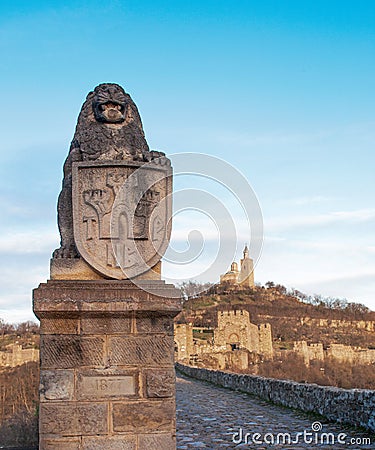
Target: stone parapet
x,y
352,406
107,364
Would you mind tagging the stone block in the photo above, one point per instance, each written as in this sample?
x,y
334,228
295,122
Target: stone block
x,y
59,326
157,441
154,274
160,383
105,297
56,385
146,416
141,350
73,419
72,269
107,384
153,323
59,444
105,325
111,443
65,352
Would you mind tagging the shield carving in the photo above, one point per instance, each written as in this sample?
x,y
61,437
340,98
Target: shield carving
x,y
122,214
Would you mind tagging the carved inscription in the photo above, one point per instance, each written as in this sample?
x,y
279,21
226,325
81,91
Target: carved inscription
x,y
107,386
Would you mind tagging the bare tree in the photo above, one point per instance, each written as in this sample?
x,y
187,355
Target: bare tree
x,y
193,289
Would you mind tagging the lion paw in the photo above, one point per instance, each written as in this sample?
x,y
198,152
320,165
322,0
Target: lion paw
x,y
159,158
69,251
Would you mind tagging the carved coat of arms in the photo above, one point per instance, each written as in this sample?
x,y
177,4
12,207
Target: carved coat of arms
x,y
121,215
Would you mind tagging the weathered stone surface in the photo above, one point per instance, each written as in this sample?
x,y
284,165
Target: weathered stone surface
x,y
73,419
160,383
153,323
121,215
157,441
56,385
107,387
59,326
145,416
59,444
78,269
72,269
141,350
71,298
107,384
65,352
105,325
112,443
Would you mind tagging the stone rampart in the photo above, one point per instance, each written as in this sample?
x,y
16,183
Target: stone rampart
x,y
340,352
16,356
352,406
366,325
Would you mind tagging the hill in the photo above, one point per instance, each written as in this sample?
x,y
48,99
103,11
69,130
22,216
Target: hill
x,y
293,315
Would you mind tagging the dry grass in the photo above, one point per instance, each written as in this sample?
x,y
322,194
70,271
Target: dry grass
x,y
20,431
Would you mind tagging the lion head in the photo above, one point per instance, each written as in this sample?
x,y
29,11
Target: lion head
x,y
109,103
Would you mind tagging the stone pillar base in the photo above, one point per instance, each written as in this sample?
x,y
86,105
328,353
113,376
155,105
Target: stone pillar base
x,y
107,364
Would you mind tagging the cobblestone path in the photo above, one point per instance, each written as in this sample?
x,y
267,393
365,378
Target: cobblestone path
x,y
211,417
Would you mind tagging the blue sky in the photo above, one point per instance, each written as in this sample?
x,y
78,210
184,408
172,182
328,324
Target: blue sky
x,y
283,91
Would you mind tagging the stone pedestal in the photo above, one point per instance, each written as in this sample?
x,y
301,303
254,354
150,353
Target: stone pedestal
x,y
107,364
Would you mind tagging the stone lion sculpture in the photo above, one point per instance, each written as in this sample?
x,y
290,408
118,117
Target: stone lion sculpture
x,y
109,128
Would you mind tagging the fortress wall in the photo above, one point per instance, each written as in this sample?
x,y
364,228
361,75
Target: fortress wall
x,y
352,355
183,337
339,352
253,339
352,406
16,356
265,339
309,351
235,325
366,325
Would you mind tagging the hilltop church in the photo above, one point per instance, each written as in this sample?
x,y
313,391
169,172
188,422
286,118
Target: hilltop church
x,y
243,277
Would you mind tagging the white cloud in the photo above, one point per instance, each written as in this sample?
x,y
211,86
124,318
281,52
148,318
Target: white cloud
x,y
331,266
18,277
308,200
20,312
290,222
33,241
358,286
